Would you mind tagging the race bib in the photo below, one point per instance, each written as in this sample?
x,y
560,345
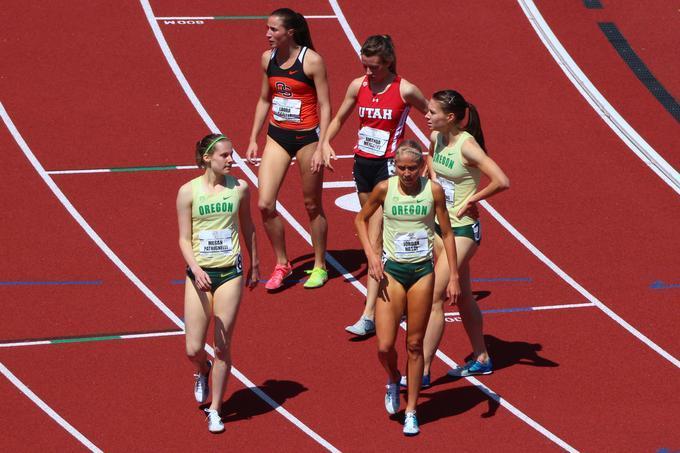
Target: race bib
x,y
286,110
412,245
215,242
449,190
373,141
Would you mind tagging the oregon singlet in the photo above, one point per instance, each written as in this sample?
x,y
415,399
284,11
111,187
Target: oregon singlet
x,y
458,181
214,224
294,100
382,117
408,223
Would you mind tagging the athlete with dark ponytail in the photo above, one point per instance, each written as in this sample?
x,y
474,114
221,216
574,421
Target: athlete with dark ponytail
x,y
295,100
457,160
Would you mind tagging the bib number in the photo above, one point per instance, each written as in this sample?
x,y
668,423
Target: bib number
x,y
449,190
286,110
215,242
373,141
412,245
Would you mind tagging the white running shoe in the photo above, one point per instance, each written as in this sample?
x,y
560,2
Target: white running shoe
x,y
362,327
392,398
214,420
411,424
201,388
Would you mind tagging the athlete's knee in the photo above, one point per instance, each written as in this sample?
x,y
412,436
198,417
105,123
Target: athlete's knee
x,y
437,308
414,346
194,351
267,208
313,207
223,352
385,348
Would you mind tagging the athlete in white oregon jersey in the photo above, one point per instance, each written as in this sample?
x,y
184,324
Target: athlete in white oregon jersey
x,y
457,160
213,212
410,204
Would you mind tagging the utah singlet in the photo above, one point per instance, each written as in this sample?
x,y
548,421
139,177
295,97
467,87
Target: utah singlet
x,y
382,118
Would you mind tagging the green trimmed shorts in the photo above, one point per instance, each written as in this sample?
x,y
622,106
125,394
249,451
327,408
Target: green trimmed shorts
x,y
408,274
473,231
219,275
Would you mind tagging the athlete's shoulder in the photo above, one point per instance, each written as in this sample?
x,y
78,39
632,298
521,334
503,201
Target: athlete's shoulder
x,y
185,192
434,136
266,56
313,62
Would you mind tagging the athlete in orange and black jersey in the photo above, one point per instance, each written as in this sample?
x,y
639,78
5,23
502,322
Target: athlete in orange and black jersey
x,y
293,121
295,89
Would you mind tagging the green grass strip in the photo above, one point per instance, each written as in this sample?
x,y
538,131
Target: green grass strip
x,y
155,168
240,17
86,339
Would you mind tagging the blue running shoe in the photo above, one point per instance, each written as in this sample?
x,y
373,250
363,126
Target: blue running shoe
x,y
472,368
424,385
411,424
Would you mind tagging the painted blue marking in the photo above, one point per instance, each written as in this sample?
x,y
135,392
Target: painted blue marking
x,y
503,279
177,282
75,282
658,284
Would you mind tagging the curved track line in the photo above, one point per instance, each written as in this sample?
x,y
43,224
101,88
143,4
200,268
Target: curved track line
x,y
137,282
47,409
597,101
524,241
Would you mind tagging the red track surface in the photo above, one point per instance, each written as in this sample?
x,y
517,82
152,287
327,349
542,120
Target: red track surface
x,y
107,98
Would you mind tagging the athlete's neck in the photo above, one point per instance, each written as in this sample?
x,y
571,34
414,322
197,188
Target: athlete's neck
x,y
213,179
378,86
452,135
285,52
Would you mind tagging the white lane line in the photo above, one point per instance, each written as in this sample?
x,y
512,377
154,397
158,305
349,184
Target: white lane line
x,y
244,17
249,173
526,309
58,341
524,241
597,101
129,274
47,409
338,184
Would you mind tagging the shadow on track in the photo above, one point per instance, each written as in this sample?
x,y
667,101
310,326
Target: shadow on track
x,y
244,404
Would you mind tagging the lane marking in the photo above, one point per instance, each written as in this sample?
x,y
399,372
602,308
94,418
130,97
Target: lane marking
x,y
658,284
597,101
640,69
338,184
523,309
556,269
592,4
184,18
48,283
147,168
128,273
92,338
47,409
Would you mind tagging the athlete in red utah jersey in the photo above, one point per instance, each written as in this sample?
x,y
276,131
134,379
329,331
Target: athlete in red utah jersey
x,y
384,100
382,117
